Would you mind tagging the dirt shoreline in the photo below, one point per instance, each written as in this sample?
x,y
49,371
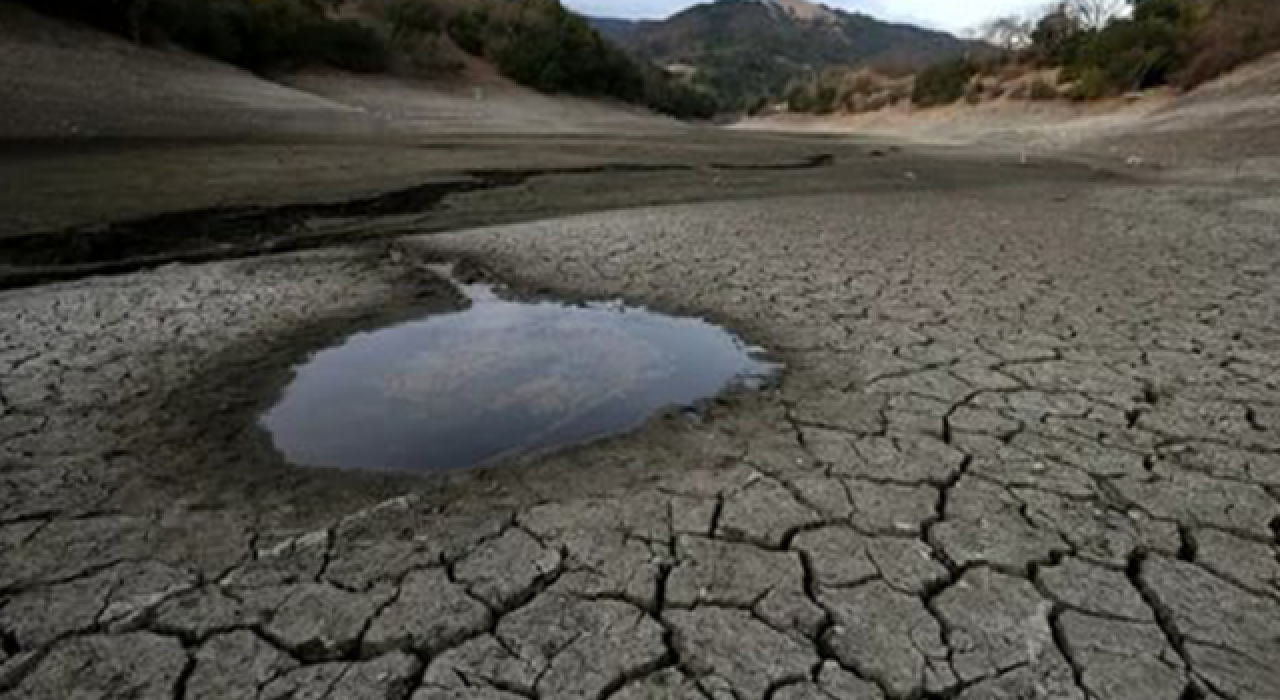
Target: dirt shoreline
x,y
1225,130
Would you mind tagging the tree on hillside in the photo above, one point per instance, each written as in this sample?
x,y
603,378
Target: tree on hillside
x,y
1171,11
1056,36
409,18
1093,15
1109,47
1011,33
1061,31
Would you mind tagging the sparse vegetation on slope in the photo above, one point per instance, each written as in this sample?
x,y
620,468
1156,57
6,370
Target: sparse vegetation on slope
x,y
535,42
1084,50
1182,43
1234,33
748,50
943,84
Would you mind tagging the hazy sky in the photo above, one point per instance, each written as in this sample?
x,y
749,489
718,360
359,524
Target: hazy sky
x,y
954,15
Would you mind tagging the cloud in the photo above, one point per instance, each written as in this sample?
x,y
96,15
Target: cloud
x,y
643,9
952,15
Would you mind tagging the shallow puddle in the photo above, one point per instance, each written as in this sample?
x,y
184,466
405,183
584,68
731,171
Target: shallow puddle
x,y
500,379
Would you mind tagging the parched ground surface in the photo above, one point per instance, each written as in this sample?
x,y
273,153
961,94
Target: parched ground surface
x,y
1027,446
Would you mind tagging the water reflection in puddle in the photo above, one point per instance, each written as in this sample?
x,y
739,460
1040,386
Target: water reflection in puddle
x,y
500,379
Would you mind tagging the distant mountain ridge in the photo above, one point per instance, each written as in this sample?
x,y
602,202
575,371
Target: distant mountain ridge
x,y
618,30
744,50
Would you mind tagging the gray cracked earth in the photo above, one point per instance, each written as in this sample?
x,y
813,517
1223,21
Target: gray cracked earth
x,y
1027,446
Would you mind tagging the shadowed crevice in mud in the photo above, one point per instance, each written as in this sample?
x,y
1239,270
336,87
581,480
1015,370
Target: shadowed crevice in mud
x,y
221,233
254,228
821,160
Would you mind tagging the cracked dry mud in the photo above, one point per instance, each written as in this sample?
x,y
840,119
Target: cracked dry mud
x,y
1027,446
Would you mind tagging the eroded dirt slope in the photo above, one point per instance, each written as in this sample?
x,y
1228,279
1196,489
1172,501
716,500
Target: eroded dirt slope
x,y
59,81
1227,128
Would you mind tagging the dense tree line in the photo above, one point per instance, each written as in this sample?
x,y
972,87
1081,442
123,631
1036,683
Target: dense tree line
x,y
553,50
255,34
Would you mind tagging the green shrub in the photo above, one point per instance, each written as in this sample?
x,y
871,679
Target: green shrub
x,y
799,99
1230,34
668,96
564,54
1133,54
824,99
470,29
1091,84
343,44
1057,38
943,83
1042,90
409,18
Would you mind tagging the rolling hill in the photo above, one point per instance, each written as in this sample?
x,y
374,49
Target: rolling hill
x,y
743,50
537,43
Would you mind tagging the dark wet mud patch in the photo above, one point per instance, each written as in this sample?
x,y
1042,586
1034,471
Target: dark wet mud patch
x,y
499,380
204,235
222,233
820,160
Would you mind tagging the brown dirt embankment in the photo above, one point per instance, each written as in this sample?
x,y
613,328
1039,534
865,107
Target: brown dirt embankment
x,y
63,82
1229,127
